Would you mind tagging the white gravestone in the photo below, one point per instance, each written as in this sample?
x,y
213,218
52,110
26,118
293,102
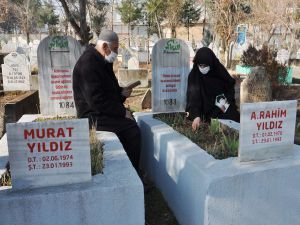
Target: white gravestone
x,y
57,56
49,153
298,54
33,55
170,69
125,57
283,56
16,72
267,130
133,63
9,47
192,53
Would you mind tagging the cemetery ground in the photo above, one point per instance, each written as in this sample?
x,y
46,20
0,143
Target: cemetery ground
x,y
157,211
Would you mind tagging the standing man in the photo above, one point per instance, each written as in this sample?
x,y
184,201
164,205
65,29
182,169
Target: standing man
x,y
99,97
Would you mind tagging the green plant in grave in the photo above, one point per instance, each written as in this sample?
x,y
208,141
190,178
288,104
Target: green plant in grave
x,y
218,140
230,144
214,126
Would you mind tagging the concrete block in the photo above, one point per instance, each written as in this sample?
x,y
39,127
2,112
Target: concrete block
x,y
201,190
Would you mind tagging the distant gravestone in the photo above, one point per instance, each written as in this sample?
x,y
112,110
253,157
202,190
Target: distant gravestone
x,y
33,55
16,72
283,56
9,47
133,63
125,57
192,54
49,153
256,87
170,69
298,54
57,56
267,130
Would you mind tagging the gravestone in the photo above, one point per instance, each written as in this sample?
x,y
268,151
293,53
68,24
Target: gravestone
x,y
170,69
298,54
9,47
267,130
57,56
125,57
214,47
283,56
16,72
49,153
33,55
256,87
241,34
133,63
192,54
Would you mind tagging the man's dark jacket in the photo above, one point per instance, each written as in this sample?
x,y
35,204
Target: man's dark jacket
x,y
97,93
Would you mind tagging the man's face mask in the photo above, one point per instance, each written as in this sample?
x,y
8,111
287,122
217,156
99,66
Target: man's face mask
x,y
111,57
204,70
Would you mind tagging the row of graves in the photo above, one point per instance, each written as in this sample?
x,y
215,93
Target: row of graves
x,y
56,154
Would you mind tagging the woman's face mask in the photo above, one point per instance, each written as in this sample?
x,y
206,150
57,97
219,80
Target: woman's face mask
x,y
204,70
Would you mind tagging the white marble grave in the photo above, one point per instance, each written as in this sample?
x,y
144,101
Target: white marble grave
x,y
50,153
267,130
170,69
16,72
133,63
283,56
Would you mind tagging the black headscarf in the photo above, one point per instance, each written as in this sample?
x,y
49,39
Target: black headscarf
x,y
203,88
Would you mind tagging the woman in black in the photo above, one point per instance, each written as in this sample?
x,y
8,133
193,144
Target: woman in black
x,y
210,91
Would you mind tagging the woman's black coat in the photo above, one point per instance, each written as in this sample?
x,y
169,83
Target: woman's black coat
x,y
203,88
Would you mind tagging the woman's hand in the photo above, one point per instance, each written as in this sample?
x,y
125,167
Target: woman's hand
x,y
196,123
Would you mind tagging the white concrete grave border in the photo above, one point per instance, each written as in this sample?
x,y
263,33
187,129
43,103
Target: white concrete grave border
x,y
114,197
201,190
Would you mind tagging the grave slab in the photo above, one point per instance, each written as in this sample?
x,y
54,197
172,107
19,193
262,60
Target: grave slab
x,y
201,190
114,197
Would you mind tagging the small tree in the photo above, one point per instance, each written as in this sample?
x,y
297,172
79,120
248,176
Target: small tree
x,y
225,16
47,16
155,10
131,13
173,14
26,13
190,14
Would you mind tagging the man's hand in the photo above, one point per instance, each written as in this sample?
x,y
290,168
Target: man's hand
x,y
129,115
126,92
196,123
